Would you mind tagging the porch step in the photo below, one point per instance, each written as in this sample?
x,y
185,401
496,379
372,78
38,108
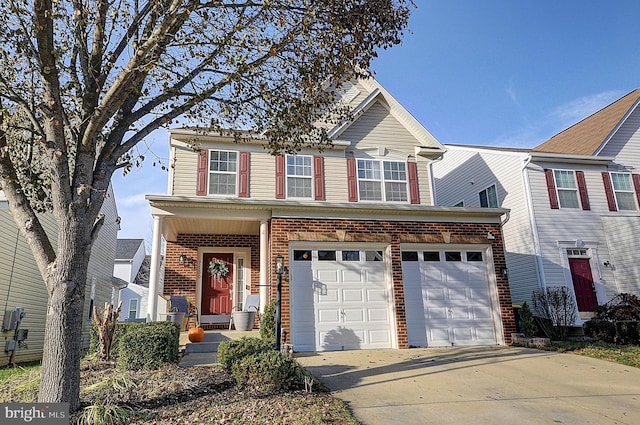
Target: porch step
x,y
212,340
202,347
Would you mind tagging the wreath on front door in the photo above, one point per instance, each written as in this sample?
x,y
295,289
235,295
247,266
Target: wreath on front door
x,y
218,268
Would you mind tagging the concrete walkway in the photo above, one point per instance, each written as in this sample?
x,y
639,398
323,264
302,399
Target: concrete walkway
x,y
479,385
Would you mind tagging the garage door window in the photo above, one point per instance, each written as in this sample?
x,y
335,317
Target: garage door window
x,y
373,256
431,256
474,256
350,255
410,256
324,255
302,255
453,256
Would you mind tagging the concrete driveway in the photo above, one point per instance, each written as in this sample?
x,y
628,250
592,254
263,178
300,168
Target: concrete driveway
x,y
479,385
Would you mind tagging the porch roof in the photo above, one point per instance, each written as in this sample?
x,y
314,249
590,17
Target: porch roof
x,y
209,215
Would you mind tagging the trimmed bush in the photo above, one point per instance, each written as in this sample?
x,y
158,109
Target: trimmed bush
x,y
149,346
232,351
527,322
270,372
121,329
627,332
268,322
601,330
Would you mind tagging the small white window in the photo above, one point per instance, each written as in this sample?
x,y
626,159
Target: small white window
x,y
223,167
567,188
489,197
299,176
133,308
623,189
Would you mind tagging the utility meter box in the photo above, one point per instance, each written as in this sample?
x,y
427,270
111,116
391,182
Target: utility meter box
x,y
12,319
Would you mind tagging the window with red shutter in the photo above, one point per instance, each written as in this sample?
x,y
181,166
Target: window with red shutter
x,y
414,190
582,189
318,177
608,190
551,189
280,177
352,180
203,173
243,174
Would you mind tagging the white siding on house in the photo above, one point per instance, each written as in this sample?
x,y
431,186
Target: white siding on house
x,y
625,143
262,180
623,273
22,286
185,171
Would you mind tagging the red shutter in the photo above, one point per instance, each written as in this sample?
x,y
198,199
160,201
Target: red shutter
x,y
582,189
414,191
551,188
608,190
280,177
243,175
352,180
636,185
318,177
203,173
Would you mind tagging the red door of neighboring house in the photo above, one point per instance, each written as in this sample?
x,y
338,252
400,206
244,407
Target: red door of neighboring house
x,y
216,292
583,284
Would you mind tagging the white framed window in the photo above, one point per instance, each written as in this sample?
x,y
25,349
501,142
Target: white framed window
x,y
459,204
382,180
567,188
624,191
133,308
223,169
489,197
299,176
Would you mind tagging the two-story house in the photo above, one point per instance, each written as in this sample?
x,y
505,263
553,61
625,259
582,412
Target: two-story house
x,y
372,262
22,286
573,202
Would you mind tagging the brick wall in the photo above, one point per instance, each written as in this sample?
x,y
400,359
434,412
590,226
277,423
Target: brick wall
x,y
394,233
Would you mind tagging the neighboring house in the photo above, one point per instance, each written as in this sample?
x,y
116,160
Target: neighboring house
x,y
22,286
573,204
130,263
372,263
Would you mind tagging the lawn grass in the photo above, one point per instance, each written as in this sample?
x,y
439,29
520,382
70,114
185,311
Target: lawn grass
x,y
8,371
624,354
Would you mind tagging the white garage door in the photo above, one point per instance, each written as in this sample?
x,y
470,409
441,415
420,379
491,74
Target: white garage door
x,y
447,298
339,299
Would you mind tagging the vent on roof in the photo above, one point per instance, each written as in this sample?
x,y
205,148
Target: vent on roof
x,y
348,92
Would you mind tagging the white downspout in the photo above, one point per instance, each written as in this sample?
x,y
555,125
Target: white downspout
x,y
534,226
154,272
264,264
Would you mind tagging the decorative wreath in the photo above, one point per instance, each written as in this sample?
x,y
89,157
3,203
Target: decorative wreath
x,y
218,268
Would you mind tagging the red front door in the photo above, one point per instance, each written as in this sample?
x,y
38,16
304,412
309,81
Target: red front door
x,y
583,284
216,292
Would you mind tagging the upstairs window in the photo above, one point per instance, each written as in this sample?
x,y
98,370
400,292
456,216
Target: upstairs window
x,y
382,180
489,197
567,188
223,167
299,176
624,192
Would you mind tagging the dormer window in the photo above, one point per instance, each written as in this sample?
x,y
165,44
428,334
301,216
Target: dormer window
x,y
382,180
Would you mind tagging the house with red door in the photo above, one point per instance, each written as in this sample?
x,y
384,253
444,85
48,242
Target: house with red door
x,y
372,263
574,204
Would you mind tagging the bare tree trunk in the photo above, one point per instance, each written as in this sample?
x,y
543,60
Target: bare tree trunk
x,y
106,325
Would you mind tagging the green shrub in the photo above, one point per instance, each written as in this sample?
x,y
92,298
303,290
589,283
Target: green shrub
x,y
232,351
527,322
621,307
268,322
601,330
627,332
121,329
270,372
149,345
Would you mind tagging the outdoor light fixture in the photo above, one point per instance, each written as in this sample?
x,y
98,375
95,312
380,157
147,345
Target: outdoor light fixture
x,y
504,272
182,259
607,264
280,269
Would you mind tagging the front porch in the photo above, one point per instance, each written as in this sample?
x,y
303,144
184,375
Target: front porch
x,y
205,353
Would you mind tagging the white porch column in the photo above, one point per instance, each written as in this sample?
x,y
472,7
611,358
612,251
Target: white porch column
x,y
264,264
154,272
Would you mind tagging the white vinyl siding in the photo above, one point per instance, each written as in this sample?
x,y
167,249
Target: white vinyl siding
x,y
623,190
185,172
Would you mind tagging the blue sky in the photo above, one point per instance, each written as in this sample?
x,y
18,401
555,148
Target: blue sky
x,y
491,72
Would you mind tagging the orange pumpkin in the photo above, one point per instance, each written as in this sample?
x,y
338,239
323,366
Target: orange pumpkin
x,y
196,334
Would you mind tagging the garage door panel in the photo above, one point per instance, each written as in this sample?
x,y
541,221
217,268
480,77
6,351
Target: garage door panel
x,y
376,295
457,293
438,337
352,295
353,315
327,276
329,296
481,312
377,315
435,313
328,316
380,338
352,276
434,294
432,274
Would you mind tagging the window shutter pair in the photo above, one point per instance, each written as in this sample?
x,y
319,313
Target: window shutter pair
x,y
553,195
202,185
352,181
608,189
318,177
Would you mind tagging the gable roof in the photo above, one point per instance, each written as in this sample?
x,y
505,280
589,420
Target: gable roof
x,y
377,93
126,248
589,135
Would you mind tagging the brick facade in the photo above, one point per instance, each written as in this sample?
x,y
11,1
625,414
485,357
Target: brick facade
x,y
182,280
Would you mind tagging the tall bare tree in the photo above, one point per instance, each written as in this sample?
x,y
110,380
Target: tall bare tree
x,y
83,81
